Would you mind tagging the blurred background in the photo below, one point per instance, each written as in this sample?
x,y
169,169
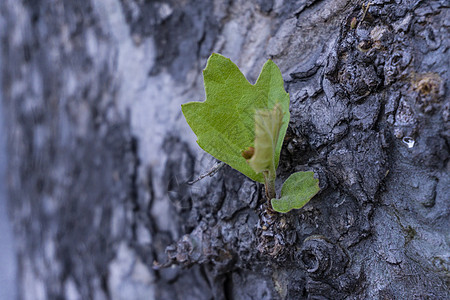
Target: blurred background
x,y
8,258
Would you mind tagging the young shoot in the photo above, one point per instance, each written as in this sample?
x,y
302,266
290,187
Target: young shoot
x,y
243,125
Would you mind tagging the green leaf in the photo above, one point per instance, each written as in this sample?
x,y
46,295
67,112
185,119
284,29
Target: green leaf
x,y
267,130
225,122
297,190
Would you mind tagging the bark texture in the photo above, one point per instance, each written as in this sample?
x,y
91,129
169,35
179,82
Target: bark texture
x,y
100,155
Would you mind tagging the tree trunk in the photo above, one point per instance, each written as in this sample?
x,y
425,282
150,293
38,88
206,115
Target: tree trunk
x,y
100,156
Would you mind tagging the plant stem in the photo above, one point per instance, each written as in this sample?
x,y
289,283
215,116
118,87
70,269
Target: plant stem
x,y
269,184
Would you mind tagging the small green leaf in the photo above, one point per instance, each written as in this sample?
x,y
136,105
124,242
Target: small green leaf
x,y
225,122
297,190
267,130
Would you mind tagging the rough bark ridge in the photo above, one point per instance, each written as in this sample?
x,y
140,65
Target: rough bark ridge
x,y
100,155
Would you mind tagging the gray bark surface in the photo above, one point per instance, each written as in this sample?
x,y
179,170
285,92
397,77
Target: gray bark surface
x,y
100,156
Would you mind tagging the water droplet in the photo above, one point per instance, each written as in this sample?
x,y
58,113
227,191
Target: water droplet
x,y
408,141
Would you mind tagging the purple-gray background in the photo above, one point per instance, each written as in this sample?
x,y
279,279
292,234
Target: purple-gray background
x,y
7,258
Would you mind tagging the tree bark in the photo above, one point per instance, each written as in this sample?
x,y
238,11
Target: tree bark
x,y
100,156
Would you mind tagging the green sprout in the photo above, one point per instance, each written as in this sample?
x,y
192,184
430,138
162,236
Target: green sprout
x,y
244,125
